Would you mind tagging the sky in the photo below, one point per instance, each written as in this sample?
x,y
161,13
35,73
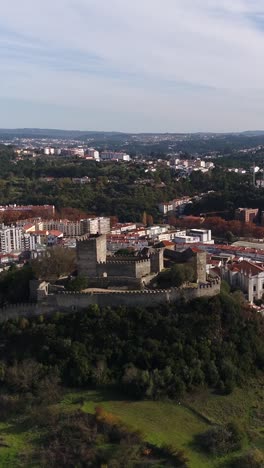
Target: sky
x,y
136,66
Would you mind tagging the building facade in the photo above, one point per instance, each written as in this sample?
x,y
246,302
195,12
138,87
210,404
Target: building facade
x,y
246,215
247,276
14,239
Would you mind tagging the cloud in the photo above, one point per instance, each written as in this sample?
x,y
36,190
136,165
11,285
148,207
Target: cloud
x,y
144,65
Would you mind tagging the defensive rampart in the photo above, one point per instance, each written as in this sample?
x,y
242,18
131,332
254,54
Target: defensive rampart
x,y
69,302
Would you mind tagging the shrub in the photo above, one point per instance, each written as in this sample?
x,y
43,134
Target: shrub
x,y
220,440
252,459
11,405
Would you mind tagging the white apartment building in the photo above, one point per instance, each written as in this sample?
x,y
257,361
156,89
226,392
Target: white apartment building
x,y
77,228
186,240
10,239
68,228
93,153
114,156
205,235
30,241
154,231
14,239
119,228
173,205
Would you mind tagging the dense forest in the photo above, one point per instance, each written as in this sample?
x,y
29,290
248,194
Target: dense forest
x,y
153,354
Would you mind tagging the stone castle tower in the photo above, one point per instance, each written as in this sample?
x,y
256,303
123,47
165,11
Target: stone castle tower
x,y
157,261
200,266
90,252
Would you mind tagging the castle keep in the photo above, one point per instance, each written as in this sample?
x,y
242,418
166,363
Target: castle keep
x,y
121,271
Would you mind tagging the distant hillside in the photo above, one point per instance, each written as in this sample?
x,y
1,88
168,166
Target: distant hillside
x,y
149,144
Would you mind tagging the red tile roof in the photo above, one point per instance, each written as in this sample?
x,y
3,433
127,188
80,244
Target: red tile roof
x,y
56,233
248,268
167,243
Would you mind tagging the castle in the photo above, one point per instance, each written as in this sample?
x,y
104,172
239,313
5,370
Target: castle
x,y
120,271
116,281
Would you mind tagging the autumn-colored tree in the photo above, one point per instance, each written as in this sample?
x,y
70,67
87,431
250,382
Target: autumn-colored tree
x,y
150,221
172,220
73,214
113,220
144,218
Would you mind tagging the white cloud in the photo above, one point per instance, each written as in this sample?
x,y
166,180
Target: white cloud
x,y
153,56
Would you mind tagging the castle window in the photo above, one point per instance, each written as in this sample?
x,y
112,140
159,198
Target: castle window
x,y
263,286
254,288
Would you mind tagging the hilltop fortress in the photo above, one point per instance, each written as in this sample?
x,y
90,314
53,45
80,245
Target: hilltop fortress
x,y
116,281
120,271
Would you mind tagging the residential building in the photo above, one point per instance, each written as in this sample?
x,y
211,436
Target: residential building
x,y
204,235
186,240
114,156
178,204
246,215
14,239
77,228
92,153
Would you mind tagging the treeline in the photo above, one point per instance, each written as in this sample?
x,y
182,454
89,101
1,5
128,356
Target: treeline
x,y
157,353
122,190
219,227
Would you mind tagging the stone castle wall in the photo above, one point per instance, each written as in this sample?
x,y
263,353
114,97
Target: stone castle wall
x,y
69,302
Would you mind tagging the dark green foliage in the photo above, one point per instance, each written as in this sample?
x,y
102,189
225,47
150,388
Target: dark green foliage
x,y
155,353
220,440
252,459
77,284
14,284
176,276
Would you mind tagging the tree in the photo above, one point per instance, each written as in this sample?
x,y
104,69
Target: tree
x,y
150,221
78,284
57,262
230,237
176,276
144,218
220,440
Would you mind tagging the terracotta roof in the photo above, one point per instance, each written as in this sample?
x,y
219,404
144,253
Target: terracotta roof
x,y
167,243
56,233
41,232
248,268
28,226
196,250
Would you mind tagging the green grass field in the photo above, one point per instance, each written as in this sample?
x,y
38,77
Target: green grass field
x,y
159,422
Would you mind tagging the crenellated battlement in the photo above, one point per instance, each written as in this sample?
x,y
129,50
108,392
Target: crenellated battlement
x,y
210,285
109,261
117,292
87,238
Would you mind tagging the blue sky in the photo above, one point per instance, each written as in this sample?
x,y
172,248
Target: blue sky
x,y
146,65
